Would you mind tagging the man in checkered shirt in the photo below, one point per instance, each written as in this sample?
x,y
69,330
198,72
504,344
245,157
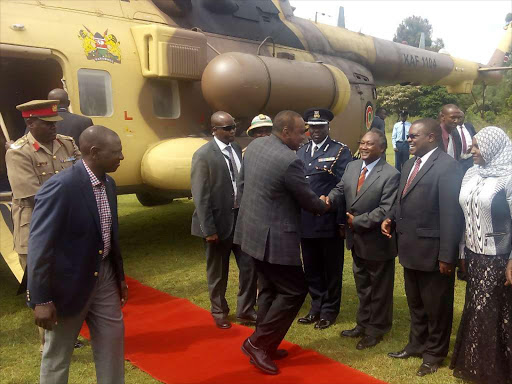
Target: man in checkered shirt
x,y
75,270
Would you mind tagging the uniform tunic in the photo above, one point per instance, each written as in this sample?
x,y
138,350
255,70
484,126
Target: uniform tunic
x,y
30,165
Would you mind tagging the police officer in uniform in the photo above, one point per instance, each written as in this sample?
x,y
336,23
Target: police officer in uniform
x,y
325,161
31,161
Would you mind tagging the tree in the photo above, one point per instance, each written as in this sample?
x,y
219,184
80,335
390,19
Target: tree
x,y
410,30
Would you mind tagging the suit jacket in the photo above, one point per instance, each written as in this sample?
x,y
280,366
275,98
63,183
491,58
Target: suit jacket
x,y
71,124
274,189
370,207
428,217
65,245
323,171
466,163
212,191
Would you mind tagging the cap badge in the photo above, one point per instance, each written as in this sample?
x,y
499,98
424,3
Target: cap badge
x,y
54,108
262,117
316,115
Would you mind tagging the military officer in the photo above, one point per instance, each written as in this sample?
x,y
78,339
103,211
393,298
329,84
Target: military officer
x,y
322,236
31,161
261,126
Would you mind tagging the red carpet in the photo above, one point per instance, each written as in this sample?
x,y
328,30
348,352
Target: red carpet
x,y
160,342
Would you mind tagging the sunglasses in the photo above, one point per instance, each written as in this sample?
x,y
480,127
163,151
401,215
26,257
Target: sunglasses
x,y
227,127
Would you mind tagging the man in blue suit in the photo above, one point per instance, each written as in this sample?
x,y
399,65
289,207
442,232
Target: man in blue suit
x,y
74,265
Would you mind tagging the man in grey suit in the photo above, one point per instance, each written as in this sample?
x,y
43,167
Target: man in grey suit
x,y
268,228
368,190
429,224
215,170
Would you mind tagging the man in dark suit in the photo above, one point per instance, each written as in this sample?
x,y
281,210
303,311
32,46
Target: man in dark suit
x,y
71,124
268,228
215,172
450,117
379,120
322,245
74,265
368,190
466,131
428,221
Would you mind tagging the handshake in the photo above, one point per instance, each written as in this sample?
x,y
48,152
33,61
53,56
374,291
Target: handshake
x,y
327,202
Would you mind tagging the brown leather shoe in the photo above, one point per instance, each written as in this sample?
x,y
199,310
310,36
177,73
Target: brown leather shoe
x,y
222,323
259,358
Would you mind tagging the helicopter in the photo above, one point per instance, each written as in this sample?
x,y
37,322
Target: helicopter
x,y
155,71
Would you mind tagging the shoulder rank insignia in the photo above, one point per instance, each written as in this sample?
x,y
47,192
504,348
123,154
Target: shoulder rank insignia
x,y
19,143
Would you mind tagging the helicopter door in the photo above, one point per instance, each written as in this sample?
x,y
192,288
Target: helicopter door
x,y
25,77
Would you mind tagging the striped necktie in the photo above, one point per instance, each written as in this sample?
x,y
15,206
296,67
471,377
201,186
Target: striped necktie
x,y
413,175
362,178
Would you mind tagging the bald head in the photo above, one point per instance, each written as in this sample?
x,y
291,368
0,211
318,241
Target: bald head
x,y
101,149
447,108
61,95
222,119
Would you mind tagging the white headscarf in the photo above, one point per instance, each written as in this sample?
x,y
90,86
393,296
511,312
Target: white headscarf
x,y
496,149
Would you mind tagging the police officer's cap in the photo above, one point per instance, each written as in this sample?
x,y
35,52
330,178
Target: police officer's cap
x,y
259,121
404,112
318,116
42,109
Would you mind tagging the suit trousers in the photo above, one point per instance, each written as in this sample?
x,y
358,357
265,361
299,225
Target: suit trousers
x,y
430,300
402,155
323,267
103,316
374,284
217,270
283,289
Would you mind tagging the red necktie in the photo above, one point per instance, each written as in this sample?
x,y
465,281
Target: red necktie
x,y
413,175
362,177
464,145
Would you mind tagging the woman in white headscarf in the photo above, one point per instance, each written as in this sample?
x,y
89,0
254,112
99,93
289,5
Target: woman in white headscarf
x,y
483,350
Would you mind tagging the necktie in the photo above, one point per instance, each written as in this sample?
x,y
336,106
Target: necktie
x,y
361,180
315,148
403,131
413,175
234,170
464,145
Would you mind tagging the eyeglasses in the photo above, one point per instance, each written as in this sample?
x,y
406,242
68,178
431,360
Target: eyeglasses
x,y
412,136
227,128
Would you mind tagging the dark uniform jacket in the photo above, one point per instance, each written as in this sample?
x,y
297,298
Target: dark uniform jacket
x,y
274,189
213,192
65,243
428,217
323,171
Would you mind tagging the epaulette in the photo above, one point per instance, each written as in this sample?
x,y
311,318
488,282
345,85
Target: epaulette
x,y
338,142
64,137
19,143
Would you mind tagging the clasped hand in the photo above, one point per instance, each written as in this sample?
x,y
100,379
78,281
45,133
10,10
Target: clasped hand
x,y
327,202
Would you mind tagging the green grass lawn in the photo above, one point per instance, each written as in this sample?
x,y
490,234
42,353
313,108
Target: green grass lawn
x,y
159,251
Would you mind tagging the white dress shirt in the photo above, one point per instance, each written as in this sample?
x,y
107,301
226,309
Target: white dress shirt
x,y
424,159
469,141
369,167
225,152
397,132
317,146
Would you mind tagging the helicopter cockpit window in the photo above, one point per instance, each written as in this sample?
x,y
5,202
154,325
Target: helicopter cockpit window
x,y
166,101
95,89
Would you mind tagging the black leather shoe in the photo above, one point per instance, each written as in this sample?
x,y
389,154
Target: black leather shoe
x,y
222,323
323,324
368,342
259,358
308,319
250,319
403,354
354,332
427,369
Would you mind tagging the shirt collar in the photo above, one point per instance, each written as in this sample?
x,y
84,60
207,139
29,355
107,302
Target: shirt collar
x,y
321,144
220,144
425,157
370,166
94,180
